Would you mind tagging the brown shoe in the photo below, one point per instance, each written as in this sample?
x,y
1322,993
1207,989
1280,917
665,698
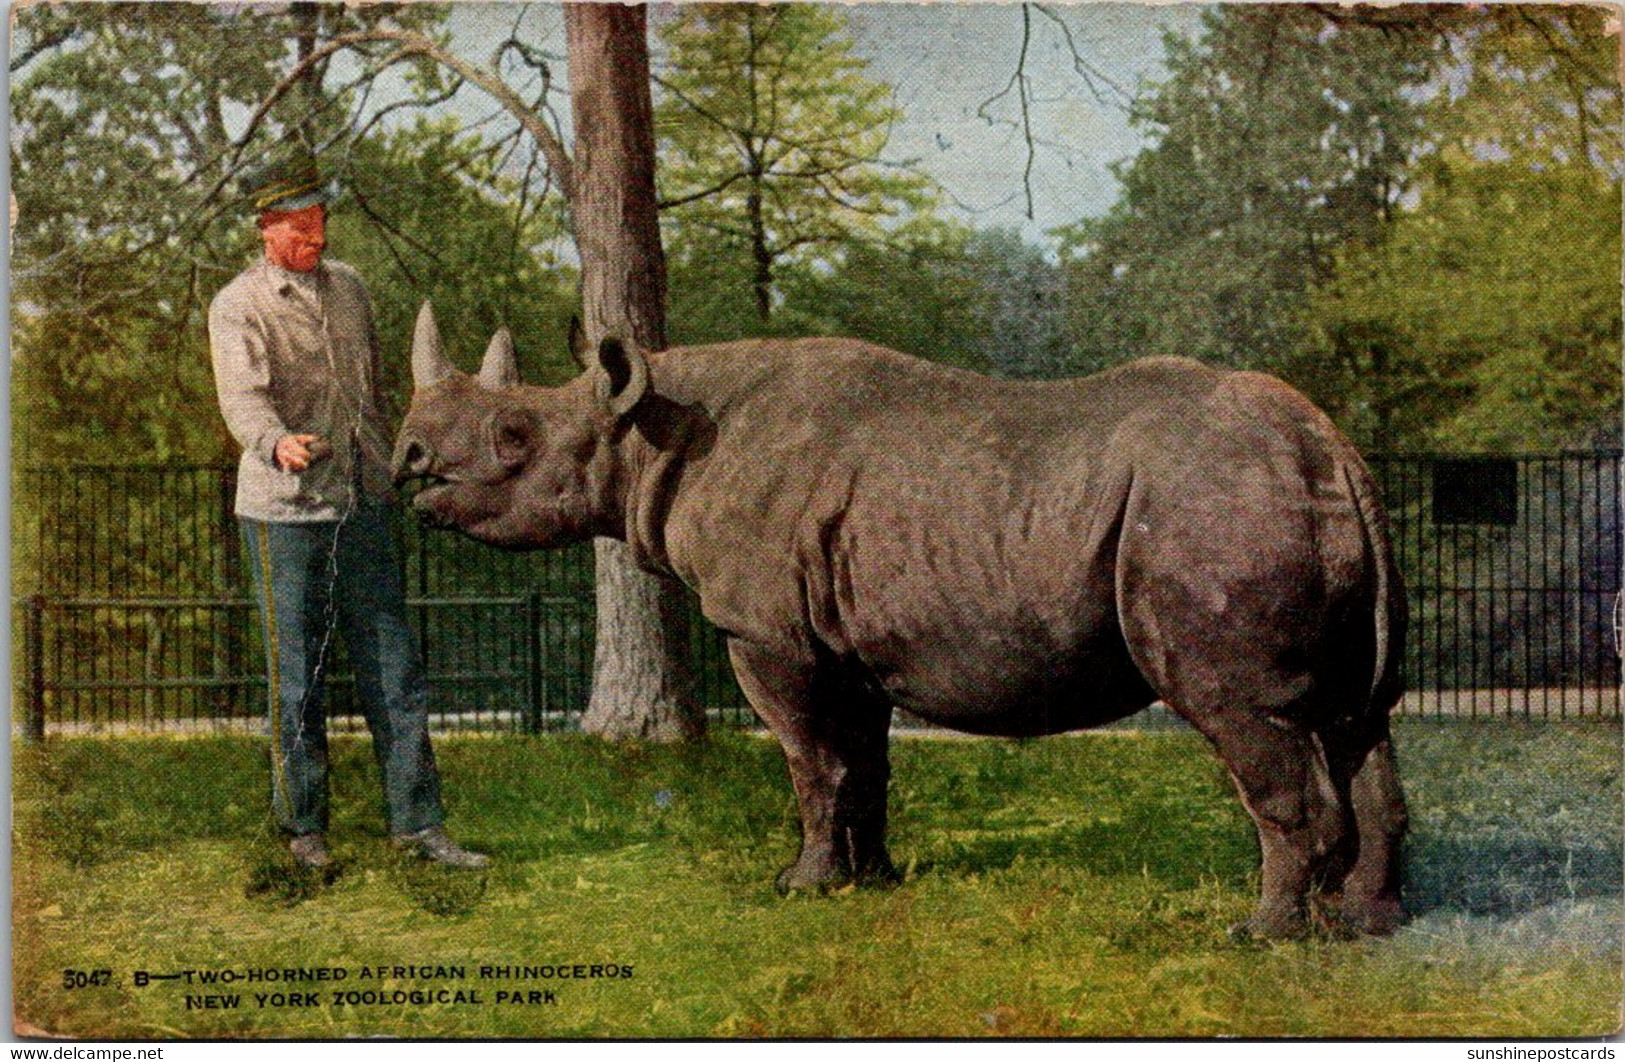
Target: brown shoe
x,y
433,844
310,850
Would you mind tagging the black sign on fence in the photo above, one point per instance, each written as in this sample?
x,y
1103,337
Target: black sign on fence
x,y
1476,490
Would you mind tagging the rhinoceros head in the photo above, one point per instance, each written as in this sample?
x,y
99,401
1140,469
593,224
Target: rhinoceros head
x,y
514,466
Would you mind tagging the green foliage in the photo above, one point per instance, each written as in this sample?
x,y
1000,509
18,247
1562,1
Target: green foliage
x,y
984,301
427,215
1488,318
783,219
122,161
709,297
771,139
1535,82
1277,137
1075,886
1414,216
913,294
1023,307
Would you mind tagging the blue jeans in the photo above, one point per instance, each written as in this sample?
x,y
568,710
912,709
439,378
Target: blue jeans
x,y
312,579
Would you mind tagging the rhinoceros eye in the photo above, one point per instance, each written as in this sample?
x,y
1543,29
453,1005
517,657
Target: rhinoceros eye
x,y
513,434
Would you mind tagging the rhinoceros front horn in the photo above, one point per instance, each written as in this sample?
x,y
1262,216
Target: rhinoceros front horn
x,y
500,368
429,364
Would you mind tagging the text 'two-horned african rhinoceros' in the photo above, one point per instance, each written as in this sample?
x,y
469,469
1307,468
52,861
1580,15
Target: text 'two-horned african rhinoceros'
x,y
871,530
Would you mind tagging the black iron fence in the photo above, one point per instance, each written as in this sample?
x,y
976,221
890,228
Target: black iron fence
x,y
1512,569
135,614
132,602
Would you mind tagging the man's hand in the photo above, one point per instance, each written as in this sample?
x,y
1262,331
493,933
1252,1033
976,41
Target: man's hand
x,y
295,453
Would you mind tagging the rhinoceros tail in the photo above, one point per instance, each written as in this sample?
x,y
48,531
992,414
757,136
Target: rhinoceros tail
x,y
1388,597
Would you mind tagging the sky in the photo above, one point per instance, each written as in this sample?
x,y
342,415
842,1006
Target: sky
x,y
944,61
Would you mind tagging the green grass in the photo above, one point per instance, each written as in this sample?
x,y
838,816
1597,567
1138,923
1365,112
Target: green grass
x,y
1074,886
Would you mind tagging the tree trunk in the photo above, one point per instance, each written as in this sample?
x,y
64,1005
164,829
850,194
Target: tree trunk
x,y
642,687
307,30
762,280
1382,402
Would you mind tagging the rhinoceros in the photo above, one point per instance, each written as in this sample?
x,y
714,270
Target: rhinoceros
x,y
871,531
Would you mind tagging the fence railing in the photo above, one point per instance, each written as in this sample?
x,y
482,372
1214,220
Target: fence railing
x,y
1512,571
133,607
190,663
131,594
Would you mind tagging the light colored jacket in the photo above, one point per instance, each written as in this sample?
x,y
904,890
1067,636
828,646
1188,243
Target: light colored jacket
x,y
295,353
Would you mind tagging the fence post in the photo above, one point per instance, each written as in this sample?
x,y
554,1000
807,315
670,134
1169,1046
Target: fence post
x,y
537,685
34,638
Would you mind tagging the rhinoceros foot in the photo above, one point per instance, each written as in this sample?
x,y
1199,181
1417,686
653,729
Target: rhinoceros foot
x,y
830,877
1280,923
796,878
1377,917
880,876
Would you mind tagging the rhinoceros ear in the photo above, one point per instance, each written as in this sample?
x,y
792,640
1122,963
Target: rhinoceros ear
x,y
429,364
623,376
580,350
500,369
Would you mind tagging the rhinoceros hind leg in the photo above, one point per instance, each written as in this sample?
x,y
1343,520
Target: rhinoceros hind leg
x,y
1369,899
1305,825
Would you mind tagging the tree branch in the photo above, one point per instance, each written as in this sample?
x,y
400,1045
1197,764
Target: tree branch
x,y
1018,83
389,229
683,98
427,101
60,34
1084,69
705,193
412,43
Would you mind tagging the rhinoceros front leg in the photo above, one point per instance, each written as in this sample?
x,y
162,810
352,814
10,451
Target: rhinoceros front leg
x,y
834,736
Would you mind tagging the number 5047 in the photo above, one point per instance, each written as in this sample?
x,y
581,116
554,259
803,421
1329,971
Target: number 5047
x,y
86,978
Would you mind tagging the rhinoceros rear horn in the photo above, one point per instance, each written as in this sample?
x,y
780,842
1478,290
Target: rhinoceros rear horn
x,y
429,364
500,368
623,376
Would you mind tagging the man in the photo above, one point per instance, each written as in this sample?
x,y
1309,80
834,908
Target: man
x,y
296,369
